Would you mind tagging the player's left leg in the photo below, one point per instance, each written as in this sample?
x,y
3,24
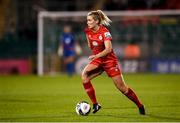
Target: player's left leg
x,y
113,71
120,84
70,68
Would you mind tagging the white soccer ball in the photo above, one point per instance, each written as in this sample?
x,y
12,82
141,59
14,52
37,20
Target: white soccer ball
x,y
83,108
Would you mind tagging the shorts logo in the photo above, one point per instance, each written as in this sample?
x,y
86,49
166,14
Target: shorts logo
x,y
94,43
107,34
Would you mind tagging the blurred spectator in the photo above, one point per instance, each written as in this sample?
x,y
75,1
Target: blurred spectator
x,y
141,4
172,4
132,51
10,34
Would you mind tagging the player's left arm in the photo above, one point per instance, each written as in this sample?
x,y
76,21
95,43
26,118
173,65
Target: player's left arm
x,y
108,49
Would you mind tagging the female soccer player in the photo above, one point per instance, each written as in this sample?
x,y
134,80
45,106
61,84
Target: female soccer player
x,y
67,47
103,59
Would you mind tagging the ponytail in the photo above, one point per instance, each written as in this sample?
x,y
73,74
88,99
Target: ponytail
x,y
104,18
101,16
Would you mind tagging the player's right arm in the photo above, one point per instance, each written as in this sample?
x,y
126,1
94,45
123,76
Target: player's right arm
x,y
60,48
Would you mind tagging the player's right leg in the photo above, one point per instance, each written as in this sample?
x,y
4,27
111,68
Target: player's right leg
x,y
69,61
90,72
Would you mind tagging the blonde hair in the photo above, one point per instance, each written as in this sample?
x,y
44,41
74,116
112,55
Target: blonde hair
x,y
101,17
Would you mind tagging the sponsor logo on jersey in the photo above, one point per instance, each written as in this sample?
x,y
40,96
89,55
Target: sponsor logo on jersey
x,y
107,34
94,43
100,37
67,40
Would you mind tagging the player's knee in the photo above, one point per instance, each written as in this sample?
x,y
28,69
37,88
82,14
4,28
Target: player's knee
x,y
123,88
84,77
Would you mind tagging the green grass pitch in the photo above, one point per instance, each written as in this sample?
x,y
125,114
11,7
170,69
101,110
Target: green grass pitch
x,y
33,98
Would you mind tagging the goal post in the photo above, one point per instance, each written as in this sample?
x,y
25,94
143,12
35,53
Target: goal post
x,y
41,16
44,18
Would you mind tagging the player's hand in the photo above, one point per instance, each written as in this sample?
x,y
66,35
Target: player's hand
x,y
60,51
92,57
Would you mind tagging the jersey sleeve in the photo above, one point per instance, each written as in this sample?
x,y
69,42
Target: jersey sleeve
x,y
107,35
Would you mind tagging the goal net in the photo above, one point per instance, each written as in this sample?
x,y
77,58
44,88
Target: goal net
x,y
155,32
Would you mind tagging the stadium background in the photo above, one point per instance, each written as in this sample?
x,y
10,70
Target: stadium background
x,y
157,38
33,98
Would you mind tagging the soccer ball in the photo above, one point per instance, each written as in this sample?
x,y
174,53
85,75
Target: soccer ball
x,y
83,108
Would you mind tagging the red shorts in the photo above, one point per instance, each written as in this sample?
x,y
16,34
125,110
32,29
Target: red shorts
x,y
110,67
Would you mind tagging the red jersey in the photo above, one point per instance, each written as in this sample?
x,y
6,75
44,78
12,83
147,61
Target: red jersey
x,y
97,39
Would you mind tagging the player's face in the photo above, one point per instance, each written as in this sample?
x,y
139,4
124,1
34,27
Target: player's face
x,y
67,29
91,22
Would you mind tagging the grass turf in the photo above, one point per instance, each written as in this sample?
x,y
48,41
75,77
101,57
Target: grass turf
x,y
32,98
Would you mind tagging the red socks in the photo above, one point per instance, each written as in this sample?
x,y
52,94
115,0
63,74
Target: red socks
x,y
132,96
90,91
